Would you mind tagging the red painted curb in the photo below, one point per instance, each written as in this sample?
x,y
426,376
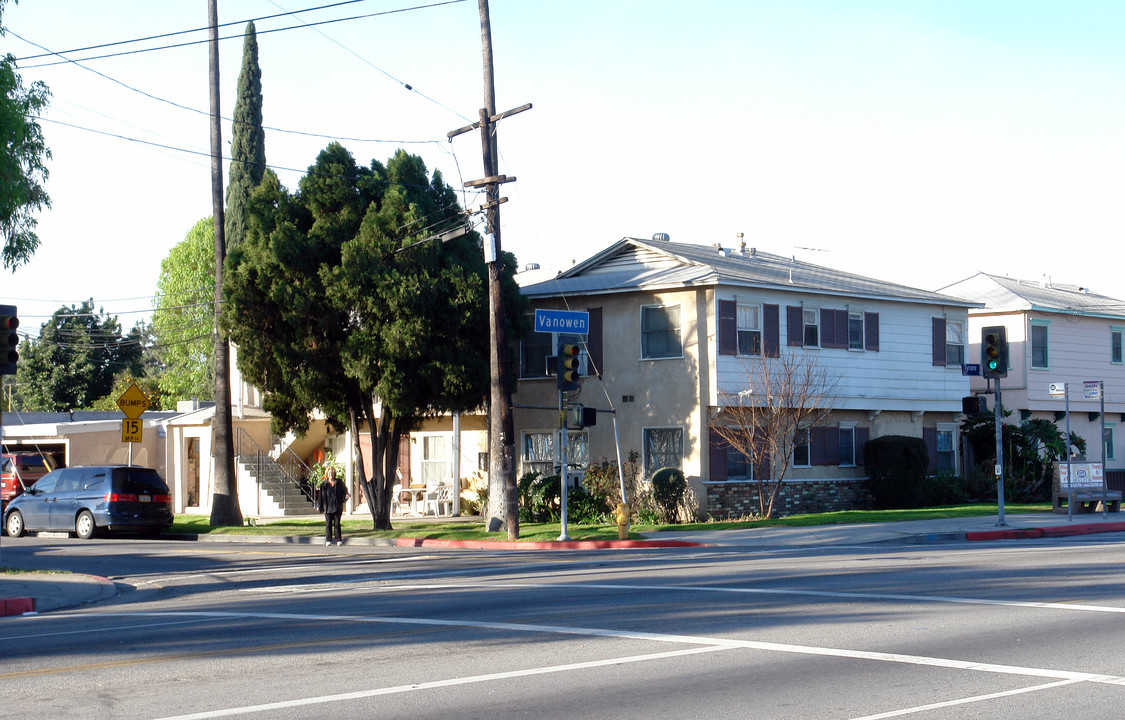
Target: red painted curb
x,y
16,606
551,545
1083,529
1003,534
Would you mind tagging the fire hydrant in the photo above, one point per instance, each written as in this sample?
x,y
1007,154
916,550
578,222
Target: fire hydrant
x,y
624,514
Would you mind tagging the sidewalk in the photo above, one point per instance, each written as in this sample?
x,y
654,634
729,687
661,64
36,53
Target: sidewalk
x,y
21,593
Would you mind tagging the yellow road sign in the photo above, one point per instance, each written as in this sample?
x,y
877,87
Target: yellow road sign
x,y
133,402
131,430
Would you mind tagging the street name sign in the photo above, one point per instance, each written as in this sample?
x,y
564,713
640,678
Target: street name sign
x,y
576,322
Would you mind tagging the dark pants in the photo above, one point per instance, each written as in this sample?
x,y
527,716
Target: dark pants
x,y
332,525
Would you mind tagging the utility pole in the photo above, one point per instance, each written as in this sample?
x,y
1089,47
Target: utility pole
x,y
502,506
224,501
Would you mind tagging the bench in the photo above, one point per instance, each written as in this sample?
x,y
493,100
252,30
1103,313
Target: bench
x,y
1085,490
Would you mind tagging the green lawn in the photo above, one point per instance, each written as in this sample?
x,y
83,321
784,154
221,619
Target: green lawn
x,y
470,530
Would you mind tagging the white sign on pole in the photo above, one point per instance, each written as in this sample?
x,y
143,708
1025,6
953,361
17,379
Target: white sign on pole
x,y
1092,390
1056,389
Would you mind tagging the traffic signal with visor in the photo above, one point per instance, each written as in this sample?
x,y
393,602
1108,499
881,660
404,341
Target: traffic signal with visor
x,y
994,351
567,370
9,339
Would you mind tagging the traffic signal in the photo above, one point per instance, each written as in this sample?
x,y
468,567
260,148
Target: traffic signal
x,y
974,405
567,366
994,351
9,339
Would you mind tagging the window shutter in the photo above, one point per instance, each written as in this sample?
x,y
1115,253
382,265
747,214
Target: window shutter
x,y
762,467
718,455
862,435
594,342
794,326
842,329
728,328
771,331
827,328
930,436
824,446
871,331
939,341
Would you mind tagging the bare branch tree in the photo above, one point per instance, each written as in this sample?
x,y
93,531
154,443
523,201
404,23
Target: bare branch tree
x,y
784,398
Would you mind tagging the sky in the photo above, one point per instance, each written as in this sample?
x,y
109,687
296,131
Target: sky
x,y
915,141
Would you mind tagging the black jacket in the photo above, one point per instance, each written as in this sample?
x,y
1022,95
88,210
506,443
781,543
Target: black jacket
x,y
331,498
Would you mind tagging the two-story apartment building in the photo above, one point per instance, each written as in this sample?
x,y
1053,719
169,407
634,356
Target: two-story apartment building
x,y
672,329
1056,334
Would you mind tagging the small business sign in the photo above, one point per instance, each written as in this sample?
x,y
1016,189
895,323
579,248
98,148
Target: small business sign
x,y
575,322
1056,389
1092,390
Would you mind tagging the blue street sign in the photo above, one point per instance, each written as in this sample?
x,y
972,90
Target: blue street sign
x,y
576,322
970,368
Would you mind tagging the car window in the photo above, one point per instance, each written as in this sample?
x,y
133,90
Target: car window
x,y
92,478
139,481
31,464
47,482
7,467
68,481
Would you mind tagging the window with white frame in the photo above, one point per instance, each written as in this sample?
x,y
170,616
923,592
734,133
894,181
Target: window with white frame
x,y
1040,338
539,451
660,332
855,330
802,454
749,330
664,447
946,449
436,467
811,318
847,445
535,348
1115,336
954,342
1107,438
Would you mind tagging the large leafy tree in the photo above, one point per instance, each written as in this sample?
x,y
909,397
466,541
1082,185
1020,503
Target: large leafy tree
x,y
23,169
184,318
75,360
248,141
336,295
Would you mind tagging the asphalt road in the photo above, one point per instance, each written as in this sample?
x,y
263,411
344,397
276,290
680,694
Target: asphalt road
x,y
1029,629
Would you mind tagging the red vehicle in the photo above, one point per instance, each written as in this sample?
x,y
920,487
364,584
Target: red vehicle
x,y
18,472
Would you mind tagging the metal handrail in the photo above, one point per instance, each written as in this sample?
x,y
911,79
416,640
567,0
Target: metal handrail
x,y
294,467
251,453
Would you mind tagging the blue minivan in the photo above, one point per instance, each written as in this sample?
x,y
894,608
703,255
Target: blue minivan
x,y
86,500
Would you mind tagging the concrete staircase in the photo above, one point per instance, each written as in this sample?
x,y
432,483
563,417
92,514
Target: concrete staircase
x,y
277,493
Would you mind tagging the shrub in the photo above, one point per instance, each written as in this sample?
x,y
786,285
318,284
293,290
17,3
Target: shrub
x,y
539,497
896,470
668,490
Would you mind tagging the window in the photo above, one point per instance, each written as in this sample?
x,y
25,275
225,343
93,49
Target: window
x,y
812,327
539,453
946,454
1107,438
847,446
660,332
855,331
534,351
664,447
1039,339
749,330
954,342
802,455
1115,344
435,459
738,465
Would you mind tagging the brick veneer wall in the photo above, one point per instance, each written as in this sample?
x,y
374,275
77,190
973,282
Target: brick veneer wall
x,y
740,499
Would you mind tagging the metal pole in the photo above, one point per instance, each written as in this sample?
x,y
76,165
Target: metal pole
x,y
997,414
1105,481
1069,473
563,447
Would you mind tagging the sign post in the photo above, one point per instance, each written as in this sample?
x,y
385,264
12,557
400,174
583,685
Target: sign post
x,y
133,402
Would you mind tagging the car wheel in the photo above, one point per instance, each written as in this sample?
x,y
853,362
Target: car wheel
x,y
84,526
15,524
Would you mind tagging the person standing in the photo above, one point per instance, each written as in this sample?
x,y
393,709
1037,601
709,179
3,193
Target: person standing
x,y
331,501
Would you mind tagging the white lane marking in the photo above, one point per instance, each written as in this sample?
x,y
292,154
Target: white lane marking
x,y
966,700
951,599
452,682
659,637
287,568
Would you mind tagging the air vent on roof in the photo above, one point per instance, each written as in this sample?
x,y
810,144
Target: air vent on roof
x,y
661,237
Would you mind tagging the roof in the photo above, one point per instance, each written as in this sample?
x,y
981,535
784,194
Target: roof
x,y
634,264
1004,294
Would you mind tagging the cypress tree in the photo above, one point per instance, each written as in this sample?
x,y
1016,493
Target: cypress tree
x,y
248,140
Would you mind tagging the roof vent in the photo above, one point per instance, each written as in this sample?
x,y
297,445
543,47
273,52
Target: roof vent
x,y
661,237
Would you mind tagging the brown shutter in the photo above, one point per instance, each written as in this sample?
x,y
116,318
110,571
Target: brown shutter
x,y
862,435
871,331
827,328
728,328
939,341
762,466
795,326
594,342
771,331
930,436
842,329
718,455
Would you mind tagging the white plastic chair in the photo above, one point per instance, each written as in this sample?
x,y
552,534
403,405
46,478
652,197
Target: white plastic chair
x,y
396,499
439,501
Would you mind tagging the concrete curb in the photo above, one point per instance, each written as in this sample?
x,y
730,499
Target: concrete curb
x,y
1033,533
40,592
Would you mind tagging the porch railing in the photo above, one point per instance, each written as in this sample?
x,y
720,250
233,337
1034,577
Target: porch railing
x,y
277,475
